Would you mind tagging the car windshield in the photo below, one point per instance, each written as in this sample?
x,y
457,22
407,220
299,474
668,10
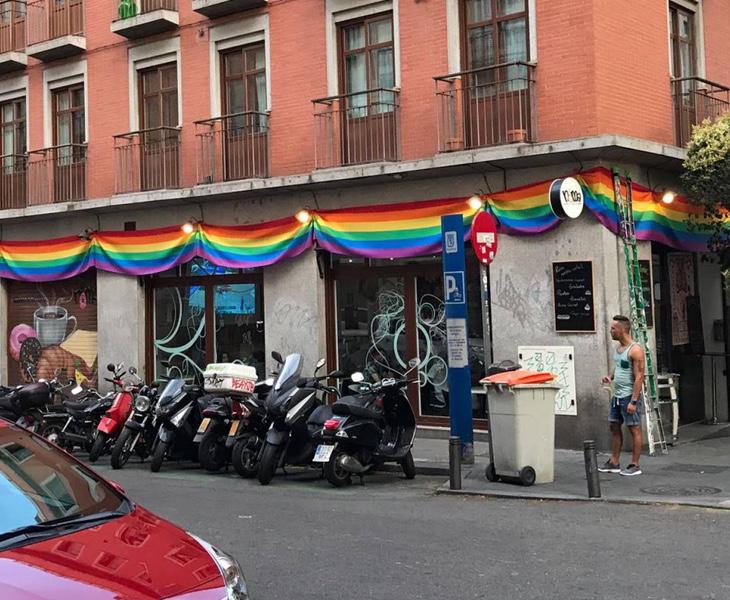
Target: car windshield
x,y
41,484
289,371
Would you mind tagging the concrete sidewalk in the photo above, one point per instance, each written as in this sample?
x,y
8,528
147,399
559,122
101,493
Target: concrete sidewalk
x,y
695,472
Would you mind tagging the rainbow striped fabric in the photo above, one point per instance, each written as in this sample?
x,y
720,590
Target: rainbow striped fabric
x,y
383,231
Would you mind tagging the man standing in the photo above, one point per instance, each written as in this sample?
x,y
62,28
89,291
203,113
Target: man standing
x,y
628,380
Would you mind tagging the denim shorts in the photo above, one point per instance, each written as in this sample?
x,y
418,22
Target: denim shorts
x,y
618,414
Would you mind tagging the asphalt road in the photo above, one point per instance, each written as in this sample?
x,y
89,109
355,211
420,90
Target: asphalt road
x,y
300,539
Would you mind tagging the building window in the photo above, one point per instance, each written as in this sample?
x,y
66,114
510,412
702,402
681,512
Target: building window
x,y
69,151
244,80
69,118
367,62
683,42
12,131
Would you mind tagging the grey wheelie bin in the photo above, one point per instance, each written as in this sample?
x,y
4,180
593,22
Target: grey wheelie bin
x,y
522,431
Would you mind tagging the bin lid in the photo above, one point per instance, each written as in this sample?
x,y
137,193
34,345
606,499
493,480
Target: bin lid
x,y
519,377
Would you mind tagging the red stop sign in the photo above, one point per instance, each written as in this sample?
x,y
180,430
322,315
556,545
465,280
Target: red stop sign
x,y
484,237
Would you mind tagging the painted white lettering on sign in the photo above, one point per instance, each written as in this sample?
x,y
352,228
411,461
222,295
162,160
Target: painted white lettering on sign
x,y
457,343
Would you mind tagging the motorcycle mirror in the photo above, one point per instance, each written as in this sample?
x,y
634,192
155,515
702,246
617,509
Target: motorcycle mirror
x,y
277,357
357,377
111,367
133,370
320,363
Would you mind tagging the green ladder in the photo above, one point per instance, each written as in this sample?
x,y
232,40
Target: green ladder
x,y
627,232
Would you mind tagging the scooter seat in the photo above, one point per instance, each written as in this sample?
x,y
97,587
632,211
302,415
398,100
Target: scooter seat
x,y
320,415
81,406
345,409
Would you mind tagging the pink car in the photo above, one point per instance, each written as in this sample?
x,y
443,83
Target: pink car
x,y
65,532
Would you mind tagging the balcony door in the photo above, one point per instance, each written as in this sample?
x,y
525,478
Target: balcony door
x,y
245,122
683,68
68,155
496,91
159,138
12,25
368,108
66,17
14,158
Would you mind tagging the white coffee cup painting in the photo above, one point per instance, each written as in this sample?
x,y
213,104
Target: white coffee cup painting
x,y
51,324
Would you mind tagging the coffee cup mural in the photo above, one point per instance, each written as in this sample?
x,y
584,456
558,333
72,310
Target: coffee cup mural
x,y
51,325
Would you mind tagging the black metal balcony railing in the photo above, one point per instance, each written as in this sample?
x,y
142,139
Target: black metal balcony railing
x,y
126,9
12,26
13,181
147,160
357,128
51,19
695,100
57,174
486,107
234,146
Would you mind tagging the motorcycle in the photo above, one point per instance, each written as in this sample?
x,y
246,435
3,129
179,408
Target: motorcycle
x,y
140,429
112,423
178,413
25,404
374,427
297,414
250,433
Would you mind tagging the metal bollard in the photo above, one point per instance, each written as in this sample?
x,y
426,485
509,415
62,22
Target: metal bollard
x,y
455,462
594,483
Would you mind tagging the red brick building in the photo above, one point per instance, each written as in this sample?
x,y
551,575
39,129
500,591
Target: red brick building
x,y
136,114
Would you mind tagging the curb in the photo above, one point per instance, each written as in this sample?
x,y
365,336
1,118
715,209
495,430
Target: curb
x,y
517,495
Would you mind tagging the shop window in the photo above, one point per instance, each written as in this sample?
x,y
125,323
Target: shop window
x,y
52,330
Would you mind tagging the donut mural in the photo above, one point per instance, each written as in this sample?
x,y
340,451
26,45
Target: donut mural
x,y
52,330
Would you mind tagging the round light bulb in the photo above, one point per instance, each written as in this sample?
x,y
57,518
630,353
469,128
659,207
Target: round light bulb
x,y
304,216
188,228
475,202
668,197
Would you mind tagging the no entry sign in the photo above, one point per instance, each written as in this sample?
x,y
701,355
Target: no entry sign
x,y
484,237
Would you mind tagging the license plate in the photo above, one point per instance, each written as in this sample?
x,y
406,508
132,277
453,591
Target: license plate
x,y
234,429
323,453
204,425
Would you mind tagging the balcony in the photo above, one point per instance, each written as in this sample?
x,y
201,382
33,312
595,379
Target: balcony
x,y
486,107
233,147
357,128
13,182
695,100
140,18
55,29
57,174
147,160
219,8
12,36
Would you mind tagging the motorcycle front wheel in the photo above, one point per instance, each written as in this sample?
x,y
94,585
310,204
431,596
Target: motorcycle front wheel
x,y
245,456
334,472
97,448
122,448
158,456
269,461
212,450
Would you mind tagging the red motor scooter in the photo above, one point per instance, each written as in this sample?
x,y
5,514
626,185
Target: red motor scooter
x,y
112,422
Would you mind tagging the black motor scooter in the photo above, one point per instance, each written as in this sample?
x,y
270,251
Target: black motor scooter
x,y
251,431
178,413
295,407
374,427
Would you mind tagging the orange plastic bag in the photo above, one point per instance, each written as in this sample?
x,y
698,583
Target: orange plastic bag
x,y
519,377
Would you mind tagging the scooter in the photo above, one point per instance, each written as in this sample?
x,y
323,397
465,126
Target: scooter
x,y
250,431
178,413
298,415
25,404
366,430
112,423
140,429
220,415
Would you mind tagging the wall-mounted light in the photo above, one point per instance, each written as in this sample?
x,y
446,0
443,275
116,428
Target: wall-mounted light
x,y
188,227
303,216
475,202
668,197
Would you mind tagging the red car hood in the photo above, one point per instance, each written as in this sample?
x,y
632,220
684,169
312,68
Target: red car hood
x,y
135,557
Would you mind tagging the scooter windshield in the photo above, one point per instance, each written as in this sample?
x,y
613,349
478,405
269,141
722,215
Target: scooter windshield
x,y
290,372
172,390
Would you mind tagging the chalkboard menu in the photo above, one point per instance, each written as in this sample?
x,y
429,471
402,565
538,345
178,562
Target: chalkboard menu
x,y
573,296
645,269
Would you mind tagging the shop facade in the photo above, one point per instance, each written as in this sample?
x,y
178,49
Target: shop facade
x,y
373,313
